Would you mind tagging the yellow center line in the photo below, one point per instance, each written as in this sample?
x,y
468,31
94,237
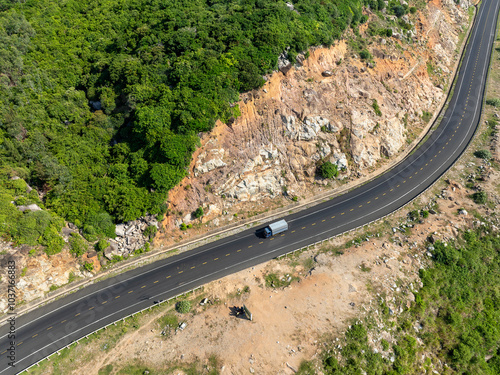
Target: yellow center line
x,y
5,351
142,287
35,335
20,343
435,156
49,328
228,254
168,277
104,302
282,235
368,202
77,314
216,258
323,220
130,292
333,217
63,321
293,231
91,308
158,280
313,224
303,227
260,243
391,190
410,177
352,209
204,262
250,246
193,267
271,239
397,186
342,213
180,271
360,206
238,250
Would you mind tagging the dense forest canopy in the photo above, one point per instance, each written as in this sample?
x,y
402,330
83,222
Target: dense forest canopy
x,y
101,102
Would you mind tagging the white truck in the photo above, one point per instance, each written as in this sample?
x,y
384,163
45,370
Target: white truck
x,y
275,228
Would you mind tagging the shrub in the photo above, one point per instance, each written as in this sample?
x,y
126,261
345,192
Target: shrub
x,y
376,108
183,226
77,245
101,245
52,240
365,55
493,102
480,197
198,213
328,170
482,154
102,223
183,306
88,266
150,231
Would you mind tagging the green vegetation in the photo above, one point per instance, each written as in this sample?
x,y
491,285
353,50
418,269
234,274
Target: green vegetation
x,y
376,108
88,266
483,154
328,170
426,116
274,280
183,306
198,213
101,102
480,197
493,102
458,309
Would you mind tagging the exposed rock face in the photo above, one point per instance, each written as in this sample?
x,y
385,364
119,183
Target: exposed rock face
x,y
331,107
34,274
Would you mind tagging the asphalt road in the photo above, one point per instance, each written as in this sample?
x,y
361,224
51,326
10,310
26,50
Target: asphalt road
x,y
51,327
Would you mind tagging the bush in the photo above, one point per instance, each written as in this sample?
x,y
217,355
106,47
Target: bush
x,y
480,197
150,231
102,224
77,245
88,266
493,102
365,55
198,213
376,108
52,240
183,226
101,245
183,306
328,170
482,154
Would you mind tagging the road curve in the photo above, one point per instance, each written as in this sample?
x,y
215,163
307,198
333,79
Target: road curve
x,y
51,327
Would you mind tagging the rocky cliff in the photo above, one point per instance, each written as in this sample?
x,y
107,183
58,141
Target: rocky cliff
x,y
333,106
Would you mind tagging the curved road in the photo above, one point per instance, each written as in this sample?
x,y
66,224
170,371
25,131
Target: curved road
x,y
51,327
